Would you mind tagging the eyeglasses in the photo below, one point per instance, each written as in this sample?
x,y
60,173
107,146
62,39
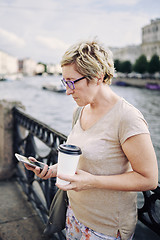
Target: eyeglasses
x,y
70,84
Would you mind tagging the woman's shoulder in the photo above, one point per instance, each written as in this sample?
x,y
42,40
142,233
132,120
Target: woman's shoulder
x,y
132,122
127,108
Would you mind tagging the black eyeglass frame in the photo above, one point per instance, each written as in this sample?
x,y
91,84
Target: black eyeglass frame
x,y
70,83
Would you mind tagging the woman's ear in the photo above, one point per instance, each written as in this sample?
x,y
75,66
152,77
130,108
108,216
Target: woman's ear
x,y
100,79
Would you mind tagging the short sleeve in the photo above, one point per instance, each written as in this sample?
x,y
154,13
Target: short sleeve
x,y
132,123
76,115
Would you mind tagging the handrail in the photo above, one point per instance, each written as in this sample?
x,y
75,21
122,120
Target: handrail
x,y
24,143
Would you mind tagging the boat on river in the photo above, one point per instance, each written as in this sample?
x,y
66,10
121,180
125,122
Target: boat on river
x,y
121,83
3,78
55,87
153,86
11,77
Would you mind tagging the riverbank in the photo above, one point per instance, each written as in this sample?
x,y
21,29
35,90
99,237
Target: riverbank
x,y
137,82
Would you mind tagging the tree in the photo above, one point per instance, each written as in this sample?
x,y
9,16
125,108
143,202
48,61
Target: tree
x,y
45,66
126,67
141,64
154,64
117,65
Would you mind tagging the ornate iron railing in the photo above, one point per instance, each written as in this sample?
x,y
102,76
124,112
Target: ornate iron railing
x,y
26,131
149,213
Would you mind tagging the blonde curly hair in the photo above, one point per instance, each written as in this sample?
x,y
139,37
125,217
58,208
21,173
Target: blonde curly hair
x,y
91,59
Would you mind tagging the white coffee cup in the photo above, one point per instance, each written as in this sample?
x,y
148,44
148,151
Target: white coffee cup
x,y
68,157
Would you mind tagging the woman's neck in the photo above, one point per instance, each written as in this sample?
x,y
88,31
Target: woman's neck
x,y
105,98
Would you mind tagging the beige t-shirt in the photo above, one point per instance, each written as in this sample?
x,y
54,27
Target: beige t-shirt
x,y
107,211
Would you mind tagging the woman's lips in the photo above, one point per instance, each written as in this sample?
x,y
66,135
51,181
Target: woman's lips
x,y
75,98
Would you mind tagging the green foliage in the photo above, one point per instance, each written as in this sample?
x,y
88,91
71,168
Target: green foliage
x,y
45,66
141,64
154,64
126,67
117,65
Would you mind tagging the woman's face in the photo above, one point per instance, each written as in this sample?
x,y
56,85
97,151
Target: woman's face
x,y
84,92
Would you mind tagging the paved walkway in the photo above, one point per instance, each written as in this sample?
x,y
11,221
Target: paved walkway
x,y
18,219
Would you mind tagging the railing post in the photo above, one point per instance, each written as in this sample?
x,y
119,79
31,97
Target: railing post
x,y
7,165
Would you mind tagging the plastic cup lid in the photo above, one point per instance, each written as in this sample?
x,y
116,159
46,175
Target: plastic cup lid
x,y
70,149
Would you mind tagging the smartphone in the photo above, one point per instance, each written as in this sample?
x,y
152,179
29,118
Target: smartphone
x,y
29,162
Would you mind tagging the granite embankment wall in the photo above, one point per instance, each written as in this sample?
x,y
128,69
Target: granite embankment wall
x,y
136,82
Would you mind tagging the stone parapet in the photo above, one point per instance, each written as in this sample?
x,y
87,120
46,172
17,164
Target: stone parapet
x,y
135,82
7,164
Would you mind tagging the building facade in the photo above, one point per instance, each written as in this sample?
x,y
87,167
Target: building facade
x,y
150,44
54,69
29,67
151,39
40,69
8,64
130,53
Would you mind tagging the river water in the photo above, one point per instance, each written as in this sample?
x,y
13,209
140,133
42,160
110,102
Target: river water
x,y
55,109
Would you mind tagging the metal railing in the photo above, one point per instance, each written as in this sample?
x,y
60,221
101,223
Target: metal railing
x,y
41,192
26,131
149,213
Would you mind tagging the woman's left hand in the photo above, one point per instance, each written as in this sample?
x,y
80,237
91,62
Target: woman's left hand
x,y
80,181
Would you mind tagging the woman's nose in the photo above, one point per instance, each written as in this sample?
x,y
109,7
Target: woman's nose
x,y
69,91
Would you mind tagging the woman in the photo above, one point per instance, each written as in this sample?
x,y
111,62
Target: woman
x,y
117,158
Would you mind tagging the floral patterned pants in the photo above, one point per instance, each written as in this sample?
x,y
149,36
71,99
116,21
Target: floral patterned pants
x,y
77,231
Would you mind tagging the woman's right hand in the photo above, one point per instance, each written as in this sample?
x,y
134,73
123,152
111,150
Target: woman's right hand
x,y
47,172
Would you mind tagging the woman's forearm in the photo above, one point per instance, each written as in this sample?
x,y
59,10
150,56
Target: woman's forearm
x,y
130,181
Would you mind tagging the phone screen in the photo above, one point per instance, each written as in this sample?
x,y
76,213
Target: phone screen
x,y
28,161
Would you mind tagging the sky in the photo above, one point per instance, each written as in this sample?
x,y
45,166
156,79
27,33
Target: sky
x,y
44,29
